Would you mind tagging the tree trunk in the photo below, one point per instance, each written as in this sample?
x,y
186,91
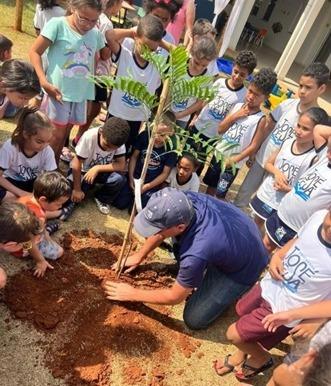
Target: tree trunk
x,y
19,15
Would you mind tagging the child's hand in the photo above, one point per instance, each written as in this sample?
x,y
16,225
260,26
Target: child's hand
x,y
77,195
272,321
306,330
52,91
145,188
281,182
91,175
242,112
276,267
41,267
131,183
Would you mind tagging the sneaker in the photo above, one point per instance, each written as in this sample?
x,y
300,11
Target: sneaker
x,y
103,208
66,155
52,226
67,211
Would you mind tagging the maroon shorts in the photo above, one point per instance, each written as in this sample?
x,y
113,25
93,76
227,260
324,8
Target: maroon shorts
x,y
251,309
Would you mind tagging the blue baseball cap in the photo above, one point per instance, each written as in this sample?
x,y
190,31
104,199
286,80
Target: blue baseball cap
x,y
165,208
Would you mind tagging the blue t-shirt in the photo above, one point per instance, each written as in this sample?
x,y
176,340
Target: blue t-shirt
x,y
221,235
160,158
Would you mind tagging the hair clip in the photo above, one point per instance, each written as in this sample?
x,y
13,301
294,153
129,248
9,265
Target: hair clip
x,y
163,1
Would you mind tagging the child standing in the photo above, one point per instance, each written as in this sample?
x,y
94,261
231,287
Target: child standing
x,y
45,11
5,48
228,92
18,84
17,227
202,53
50,191
72,45
103,67
100,157
300,274
130,63
27,154
184,177
287,164
243,129
159,167
280,126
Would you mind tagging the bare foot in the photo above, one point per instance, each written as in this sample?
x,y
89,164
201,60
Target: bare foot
x,y
227,365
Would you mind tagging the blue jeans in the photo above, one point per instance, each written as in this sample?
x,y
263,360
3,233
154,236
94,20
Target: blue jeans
x,y
216,293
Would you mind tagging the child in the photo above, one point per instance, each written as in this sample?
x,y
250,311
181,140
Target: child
x,y
130,63
202,52
50,191
184,20
103,67
287,164
5,48
241,128
27,154
300,274
100,157
166,11
184,177
18,84
72,43
161,162
310,193
45,11
280,126
228,92
17,227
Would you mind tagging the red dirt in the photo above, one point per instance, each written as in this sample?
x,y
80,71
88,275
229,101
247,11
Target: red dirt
x,y
85,330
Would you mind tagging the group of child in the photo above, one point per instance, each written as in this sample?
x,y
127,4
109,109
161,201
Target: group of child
x,y
288,151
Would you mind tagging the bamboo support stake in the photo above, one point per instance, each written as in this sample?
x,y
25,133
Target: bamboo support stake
x,y
163,99
18,15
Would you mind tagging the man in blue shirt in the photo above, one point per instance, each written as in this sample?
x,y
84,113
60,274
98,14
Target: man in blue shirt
x,y
218,248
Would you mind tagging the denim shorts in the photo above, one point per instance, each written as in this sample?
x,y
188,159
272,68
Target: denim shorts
x,y
278,231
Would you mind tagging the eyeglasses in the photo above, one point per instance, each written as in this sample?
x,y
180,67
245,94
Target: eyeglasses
x,y
83,20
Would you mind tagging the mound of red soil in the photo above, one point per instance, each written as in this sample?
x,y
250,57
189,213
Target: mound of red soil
x,y
84,329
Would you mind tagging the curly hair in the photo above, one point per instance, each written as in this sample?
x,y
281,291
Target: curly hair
x,y
265,80
172,6
318,71
203,27
204,48
246,59
115,131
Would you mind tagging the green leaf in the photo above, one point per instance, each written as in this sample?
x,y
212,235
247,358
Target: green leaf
x,y
160,62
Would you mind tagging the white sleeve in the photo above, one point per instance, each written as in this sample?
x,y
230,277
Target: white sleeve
x,y
49,159
6,156
120,151
171,176
83,147
37,18
280,109
195,185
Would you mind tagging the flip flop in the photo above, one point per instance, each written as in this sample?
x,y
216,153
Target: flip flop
x,y
255,370
226,364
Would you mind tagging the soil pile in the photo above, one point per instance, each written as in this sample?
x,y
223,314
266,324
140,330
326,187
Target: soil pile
x,y
85,330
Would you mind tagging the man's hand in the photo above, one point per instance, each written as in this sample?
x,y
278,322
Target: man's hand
x,y
41,267
276,267
119,291
52,91
131,263
77,195
91,175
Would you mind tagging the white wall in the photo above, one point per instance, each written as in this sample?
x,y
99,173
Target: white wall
x,y
316,36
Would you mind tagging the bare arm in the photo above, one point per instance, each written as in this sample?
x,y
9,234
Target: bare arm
x,y
190,18
12,188
281,182
132,166
231,118
321,135
276,267
115,36
41,263
158,180
77,194
190,110
117,165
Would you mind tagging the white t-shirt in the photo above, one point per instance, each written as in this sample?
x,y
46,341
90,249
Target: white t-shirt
x,y
286,116
186,103
310,193
169,39
4,103
240,133
18,166
213,68
123,105
217,109
89,149
192,184
103,67
292,166
307,271
42,16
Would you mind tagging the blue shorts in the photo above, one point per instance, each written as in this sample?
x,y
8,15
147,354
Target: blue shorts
x,y
261,209
65,113
278,231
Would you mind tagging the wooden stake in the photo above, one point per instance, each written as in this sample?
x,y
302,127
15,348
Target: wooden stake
x,y
163,99
18,15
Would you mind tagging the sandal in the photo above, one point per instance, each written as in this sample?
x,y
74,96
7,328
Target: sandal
x,y
226,364
255,371
52,226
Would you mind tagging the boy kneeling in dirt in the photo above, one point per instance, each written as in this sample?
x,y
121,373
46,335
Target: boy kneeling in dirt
x,y
18,227
50,191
